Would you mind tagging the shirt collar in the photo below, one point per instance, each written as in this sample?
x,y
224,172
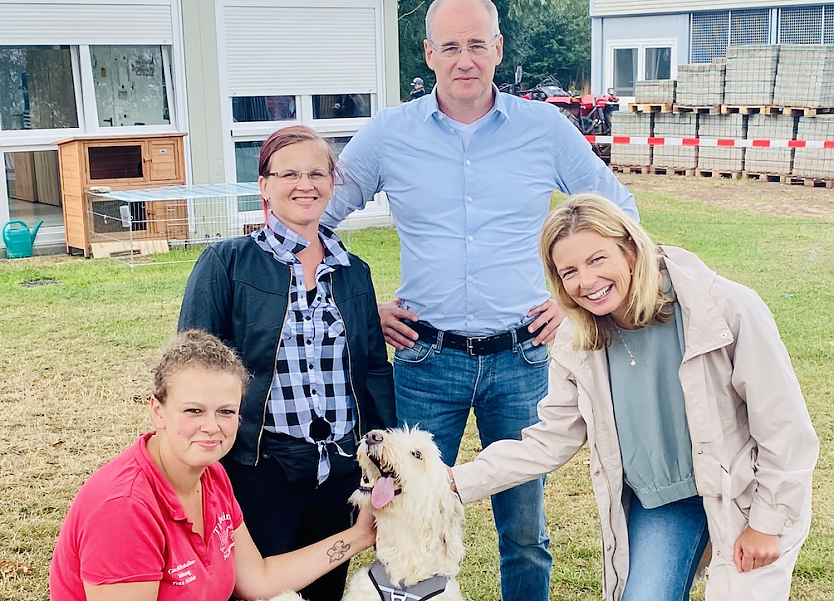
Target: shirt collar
x,y
162,488
285,244
432,108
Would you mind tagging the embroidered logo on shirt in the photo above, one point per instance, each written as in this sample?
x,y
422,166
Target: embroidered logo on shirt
x,y
225,533
183,574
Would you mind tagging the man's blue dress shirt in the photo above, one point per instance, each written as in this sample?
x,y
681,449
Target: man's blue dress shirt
x,y
469,218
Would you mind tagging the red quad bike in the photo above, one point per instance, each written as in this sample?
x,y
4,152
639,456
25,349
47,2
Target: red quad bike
x,y
590,114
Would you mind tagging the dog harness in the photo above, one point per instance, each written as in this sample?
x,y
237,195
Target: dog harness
x,y
388,591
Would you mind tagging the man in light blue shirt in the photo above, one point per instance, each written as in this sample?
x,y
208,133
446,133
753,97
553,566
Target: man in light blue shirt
x,y
469,172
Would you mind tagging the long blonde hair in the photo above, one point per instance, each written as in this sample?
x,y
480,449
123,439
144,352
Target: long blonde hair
x,y
593,213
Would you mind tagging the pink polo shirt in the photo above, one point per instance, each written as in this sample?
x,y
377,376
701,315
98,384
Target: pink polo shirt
x,y
127,525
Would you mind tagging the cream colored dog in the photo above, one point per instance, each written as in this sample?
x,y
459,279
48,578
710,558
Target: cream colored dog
x,y
418,519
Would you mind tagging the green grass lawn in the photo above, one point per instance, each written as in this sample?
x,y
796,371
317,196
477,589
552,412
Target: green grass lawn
x,y
74,373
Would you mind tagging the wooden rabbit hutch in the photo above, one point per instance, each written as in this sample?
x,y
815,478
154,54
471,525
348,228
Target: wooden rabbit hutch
x,y
120,163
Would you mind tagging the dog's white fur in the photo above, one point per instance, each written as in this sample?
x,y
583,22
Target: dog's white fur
x,y
419,530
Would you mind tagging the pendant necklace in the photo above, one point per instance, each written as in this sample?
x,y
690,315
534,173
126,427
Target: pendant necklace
x,y
622,339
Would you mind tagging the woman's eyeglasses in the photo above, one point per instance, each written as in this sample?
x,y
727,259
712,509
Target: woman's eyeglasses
x,y
316,176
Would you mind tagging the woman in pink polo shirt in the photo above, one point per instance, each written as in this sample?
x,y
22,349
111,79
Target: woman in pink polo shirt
x,y
160,522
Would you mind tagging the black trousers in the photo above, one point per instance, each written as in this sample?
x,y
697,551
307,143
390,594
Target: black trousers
x,y
282,516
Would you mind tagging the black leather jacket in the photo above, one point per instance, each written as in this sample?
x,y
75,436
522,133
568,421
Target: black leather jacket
x,y
239,293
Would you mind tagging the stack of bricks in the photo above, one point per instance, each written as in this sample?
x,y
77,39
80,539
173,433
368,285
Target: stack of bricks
x,y
726,127
675,125
751,74
815,162
769,160
701,84
805,76
654,91
631,124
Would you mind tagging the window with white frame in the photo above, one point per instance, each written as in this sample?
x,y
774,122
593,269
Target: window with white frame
x,y
131,85
712,32
637,60
248,109
37,88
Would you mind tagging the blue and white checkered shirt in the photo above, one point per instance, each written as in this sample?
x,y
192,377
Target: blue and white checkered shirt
x,y
310,395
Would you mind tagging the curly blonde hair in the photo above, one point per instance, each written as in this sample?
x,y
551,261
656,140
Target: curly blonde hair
x,y
647,302
195,348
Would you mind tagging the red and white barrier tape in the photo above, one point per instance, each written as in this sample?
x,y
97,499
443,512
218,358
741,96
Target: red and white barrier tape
x,y
713,142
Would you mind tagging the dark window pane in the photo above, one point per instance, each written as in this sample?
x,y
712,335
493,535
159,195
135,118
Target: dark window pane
x,y
625,71
115,162
263,108
246,161
338,144
658,63
341,106
36,88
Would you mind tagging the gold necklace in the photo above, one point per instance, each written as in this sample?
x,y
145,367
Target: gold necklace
x,y
622,339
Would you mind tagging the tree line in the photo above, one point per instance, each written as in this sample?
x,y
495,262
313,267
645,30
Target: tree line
x,y
545,37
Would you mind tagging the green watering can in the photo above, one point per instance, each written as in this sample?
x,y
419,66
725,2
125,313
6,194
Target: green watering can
x,y
19,239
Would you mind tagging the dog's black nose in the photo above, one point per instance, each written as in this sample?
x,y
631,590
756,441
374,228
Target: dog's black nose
x,y
373,437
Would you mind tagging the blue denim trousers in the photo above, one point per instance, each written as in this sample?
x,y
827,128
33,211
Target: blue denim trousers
x,y
435,388
665,545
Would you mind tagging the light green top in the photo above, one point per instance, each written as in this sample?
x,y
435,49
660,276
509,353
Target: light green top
x,y
650,412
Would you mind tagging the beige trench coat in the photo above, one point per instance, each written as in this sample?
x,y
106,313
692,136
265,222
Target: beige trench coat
x,y
753,445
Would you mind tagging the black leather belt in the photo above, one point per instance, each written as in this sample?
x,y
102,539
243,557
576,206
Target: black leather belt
x,y
477,345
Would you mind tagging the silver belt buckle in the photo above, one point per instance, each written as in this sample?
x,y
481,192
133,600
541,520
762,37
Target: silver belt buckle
x,y
470,346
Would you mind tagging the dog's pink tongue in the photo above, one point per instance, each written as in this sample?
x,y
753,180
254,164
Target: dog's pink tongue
x,y
383,492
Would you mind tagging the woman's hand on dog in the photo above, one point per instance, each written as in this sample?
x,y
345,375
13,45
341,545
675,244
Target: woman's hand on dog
x,y
365,528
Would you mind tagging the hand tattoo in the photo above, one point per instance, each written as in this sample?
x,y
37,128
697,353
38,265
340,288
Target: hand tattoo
x,y
338,551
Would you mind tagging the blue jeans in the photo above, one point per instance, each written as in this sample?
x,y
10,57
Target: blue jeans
x,y
665,545
435,389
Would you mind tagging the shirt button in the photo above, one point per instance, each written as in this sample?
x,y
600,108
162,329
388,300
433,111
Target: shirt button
x,y
451,130
596,473
468,199
312,392
470,317
700,451
470,279
608,548
723,334
308,341
468,162
308,318
310,366
471,239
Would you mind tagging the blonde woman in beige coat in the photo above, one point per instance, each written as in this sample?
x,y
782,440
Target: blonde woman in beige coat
x,y
681,385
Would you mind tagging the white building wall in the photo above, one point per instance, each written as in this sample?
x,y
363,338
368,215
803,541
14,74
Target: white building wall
x,y
602,8
638,32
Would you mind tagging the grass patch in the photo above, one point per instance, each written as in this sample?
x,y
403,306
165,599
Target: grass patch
x,y
75,379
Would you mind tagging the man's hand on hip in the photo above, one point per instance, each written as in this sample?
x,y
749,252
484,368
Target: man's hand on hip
x,y
396,333
549,316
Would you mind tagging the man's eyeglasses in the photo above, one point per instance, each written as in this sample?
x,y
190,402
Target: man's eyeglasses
x,y
316,176
475,48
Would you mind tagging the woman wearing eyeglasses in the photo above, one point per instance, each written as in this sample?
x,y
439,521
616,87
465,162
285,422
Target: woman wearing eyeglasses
x,y
301,313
